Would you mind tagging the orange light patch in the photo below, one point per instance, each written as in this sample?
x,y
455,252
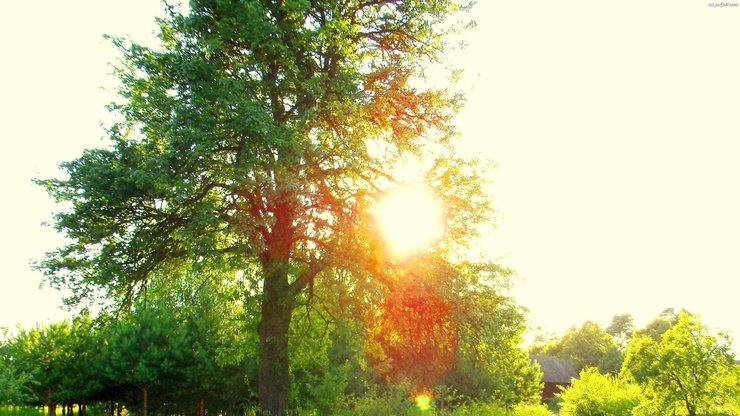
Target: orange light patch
x,y
414,336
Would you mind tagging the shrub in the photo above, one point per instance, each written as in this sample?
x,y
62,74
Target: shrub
x,y
532,410
597,394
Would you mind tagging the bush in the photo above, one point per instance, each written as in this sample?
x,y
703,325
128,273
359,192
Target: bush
x,y
476,409
392,402
597,394
532,410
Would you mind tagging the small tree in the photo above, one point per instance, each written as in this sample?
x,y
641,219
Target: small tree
x,y
82,380
43,354
147,349
14,383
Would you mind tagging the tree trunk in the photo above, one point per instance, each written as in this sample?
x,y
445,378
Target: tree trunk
x,y
50,403
274,373
202,407
145,391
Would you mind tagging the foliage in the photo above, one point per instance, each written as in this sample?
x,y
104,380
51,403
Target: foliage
x,y
82,361
211,310
256,137
611,361
42,354
531,410
490,365
584,346
393,402
688,371
147,350
14,383
597,394
621,328
396,403
655,328
416,336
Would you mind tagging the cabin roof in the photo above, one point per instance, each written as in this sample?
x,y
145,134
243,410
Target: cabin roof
x,y
555,370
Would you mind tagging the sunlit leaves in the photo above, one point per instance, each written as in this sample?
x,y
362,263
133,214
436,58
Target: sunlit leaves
x,y
688,370
597,394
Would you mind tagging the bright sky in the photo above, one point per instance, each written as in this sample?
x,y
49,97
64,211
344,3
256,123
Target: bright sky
x,y
615,126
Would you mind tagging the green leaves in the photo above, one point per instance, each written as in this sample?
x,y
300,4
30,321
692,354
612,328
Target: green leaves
x,y
249,111
147,349
596,394
586,346
243,146
688,370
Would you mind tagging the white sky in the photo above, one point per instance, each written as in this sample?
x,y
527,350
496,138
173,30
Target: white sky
x,y
615,126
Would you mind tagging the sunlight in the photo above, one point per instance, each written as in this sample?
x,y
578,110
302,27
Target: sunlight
x,y
423,401
410,218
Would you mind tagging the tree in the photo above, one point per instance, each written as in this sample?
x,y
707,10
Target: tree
x,y
621,328
596,394
82,379
14,383
490,365
210,309
256,136
688,371
43,354
147,349
658,326
586,346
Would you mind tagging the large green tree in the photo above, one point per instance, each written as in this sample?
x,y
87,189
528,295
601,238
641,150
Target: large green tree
x,y
255,136
689,371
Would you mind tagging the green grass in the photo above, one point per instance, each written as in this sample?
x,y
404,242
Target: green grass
x,y
20,411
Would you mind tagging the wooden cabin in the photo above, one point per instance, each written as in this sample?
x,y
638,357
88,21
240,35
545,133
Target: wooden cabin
x,y
556,375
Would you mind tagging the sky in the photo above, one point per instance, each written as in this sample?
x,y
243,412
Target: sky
x,y
615,127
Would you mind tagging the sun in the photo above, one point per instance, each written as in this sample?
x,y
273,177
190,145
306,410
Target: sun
x,y
410,219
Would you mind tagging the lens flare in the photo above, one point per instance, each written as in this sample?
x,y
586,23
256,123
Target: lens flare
x,y
423,401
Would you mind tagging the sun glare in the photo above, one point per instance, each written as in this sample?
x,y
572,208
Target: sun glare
x,y
423,402
410,219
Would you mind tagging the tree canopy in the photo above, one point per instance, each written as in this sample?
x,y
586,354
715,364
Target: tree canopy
x,y
255,139
597,394
688,371
586,346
